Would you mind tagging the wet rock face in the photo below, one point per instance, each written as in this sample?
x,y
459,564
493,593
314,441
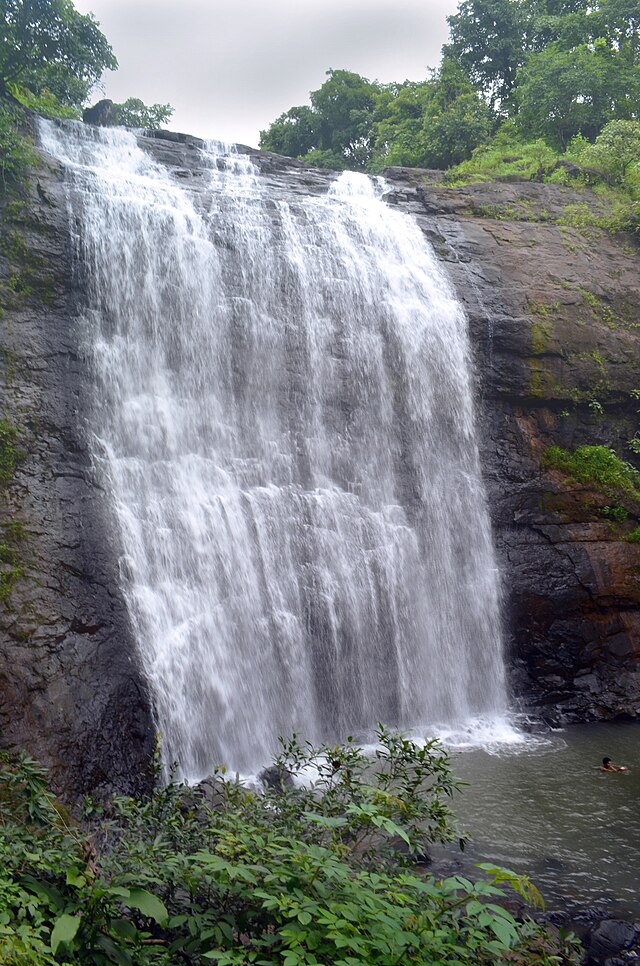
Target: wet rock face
x,y
70,691
553,312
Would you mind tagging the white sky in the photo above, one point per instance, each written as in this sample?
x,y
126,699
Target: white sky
x,y
230,68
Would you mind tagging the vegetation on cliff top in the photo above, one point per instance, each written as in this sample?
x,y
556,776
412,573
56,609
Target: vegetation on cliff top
x,y
51,59
303,874
526,88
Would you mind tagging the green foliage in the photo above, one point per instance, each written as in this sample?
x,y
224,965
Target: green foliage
x,y
560,72
346,105
135,113
15,152
294,133
616,513
561,93
48,46
634,536
299,875
597,466
488,39
336,131
400,128
616,150
44,103
10,455
357,124
506,155
434,124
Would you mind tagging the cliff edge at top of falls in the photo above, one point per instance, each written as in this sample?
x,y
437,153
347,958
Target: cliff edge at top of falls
x,y
555,325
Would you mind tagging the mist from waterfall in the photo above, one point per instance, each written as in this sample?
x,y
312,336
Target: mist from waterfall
x,y
283,422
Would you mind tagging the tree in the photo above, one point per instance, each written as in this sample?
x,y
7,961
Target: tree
x,y
135,113
489,41
47,45
619,22
616,149
434,124
399,132
451,136
346,105
338,130
294,133
562,93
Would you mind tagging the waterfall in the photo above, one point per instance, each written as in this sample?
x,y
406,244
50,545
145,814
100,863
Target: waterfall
x,y
283,420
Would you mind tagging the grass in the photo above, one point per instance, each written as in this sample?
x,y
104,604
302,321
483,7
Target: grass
x,y
597,466
10,456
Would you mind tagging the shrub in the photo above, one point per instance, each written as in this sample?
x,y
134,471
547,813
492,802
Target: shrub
x,y
298,875
598,466
506,155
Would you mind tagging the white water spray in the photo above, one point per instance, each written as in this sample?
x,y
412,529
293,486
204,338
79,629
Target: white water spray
x,y
284,420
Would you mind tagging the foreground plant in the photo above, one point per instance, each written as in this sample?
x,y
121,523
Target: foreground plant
x,y
302,874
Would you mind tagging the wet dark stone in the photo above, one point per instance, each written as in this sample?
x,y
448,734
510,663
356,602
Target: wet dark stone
x,y
276,779
608,940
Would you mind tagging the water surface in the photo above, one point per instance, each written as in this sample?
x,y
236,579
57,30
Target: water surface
x,y
548,811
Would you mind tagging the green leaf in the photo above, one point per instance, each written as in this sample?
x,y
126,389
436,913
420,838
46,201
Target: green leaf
x,y
148,904
115,953
64,930
75,877
503,930
123,928
326,820
119,891
44,891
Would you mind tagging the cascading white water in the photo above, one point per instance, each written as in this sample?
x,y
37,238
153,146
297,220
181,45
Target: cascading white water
x,y
284,419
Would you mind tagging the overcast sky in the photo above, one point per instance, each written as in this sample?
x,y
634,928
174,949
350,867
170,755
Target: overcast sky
x,y
230,67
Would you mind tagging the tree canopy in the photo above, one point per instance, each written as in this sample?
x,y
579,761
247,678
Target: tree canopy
x,y
556,68
46,45
337,130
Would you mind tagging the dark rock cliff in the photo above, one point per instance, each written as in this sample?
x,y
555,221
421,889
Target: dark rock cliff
x,y
555,325
70,689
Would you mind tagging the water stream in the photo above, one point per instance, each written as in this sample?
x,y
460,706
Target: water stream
x,y
283,420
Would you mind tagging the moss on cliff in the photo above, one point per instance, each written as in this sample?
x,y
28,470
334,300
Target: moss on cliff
x,y
597,466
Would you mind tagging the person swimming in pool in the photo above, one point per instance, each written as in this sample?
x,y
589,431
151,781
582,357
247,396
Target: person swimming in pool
x,y
607,765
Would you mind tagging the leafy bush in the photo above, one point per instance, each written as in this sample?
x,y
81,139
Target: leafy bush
x,y
302,874
598,466
506,155
616,513
616,149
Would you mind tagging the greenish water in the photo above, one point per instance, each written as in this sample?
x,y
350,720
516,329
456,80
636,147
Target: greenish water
x,y
546,809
